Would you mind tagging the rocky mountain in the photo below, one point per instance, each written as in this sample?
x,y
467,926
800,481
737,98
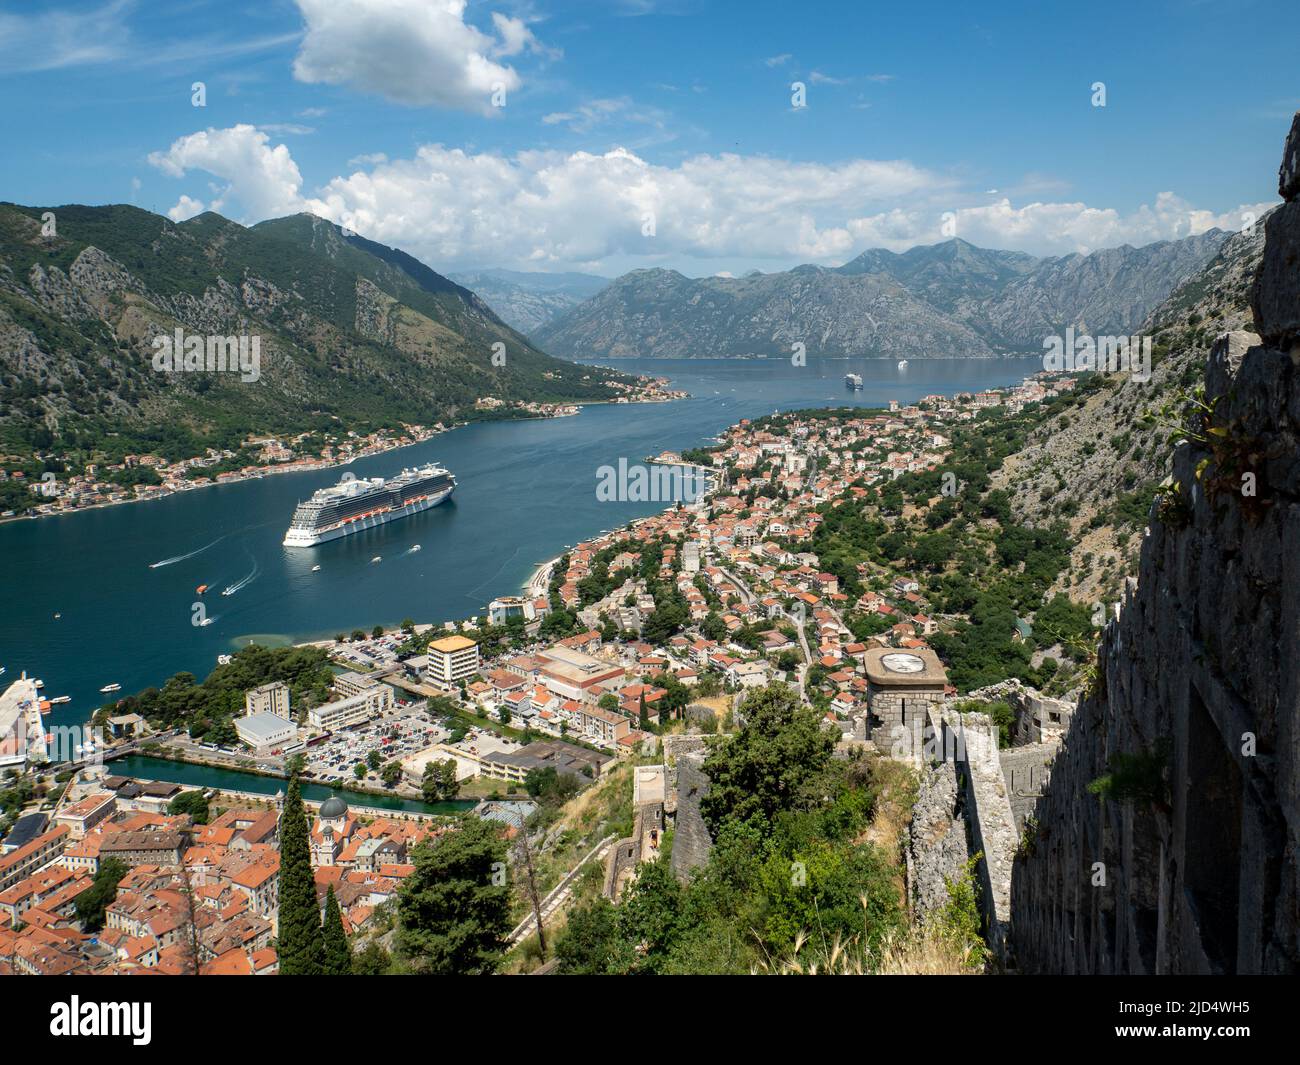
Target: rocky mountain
x,y
1097,466
1177,775
352,334
527,301
949,300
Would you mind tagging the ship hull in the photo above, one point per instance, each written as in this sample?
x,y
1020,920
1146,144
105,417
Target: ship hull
x,y
310,538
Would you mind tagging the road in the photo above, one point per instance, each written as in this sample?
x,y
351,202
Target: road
x,y
746,595
798,618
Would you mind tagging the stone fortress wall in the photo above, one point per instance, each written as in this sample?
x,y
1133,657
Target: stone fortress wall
x,y
1199,688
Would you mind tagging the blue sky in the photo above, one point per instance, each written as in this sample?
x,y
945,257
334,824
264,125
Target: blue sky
x,y
646,133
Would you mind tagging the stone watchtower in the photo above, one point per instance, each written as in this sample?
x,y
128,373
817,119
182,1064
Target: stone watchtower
x,y
902,688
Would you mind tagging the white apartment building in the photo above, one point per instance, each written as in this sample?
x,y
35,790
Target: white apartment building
x,y
452,659
354,710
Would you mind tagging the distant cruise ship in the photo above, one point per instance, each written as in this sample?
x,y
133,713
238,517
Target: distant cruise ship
x,y
853,380
353,505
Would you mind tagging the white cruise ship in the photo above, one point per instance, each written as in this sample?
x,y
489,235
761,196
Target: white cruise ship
x,y
353,505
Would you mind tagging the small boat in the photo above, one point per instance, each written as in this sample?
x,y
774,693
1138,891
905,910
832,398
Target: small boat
x,y
200,589
206,621
902,364
38,684
377,558
61,699
415,547
57,616
229,591
315,569
110,688
223,660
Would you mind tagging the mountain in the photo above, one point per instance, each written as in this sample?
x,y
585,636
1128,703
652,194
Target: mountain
x,y
1176,778
949,300
353,335
1097,466
527,301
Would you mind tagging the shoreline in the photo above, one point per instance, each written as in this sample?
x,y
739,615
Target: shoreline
x,y
291,468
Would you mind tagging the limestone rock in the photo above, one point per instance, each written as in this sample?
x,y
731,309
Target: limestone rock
x,y
1288,174
937,839
1225,360
1275,297
1196,872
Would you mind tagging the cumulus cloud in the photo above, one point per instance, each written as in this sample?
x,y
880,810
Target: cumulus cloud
x,y
416,52
186,207
554,209
261,181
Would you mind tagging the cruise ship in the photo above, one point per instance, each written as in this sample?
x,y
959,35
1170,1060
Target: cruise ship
x,y
853,381
353,505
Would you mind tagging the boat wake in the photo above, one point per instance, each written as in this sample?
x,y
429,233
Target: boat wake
x,y
243,582
182,558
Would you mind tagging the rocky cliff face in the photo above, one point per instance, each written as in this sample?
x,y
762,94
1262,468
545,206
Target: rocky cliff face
x,y
1096,467
951,300
1191,733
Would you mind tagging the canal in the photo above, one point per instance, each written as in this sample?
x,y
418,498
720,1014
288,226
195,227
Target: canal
x,y
204,776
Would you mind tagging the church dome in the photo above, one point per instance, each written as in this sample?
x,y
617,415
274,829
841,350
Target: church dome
x,y
333,807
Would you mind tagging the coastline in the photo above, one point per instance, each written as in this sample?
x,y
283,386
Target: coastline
x,y
291,468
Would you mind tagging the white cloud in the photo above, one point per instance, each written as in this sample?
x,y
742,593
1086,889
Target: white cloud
x,y
53,39
550,209
516,37
186,207
778,60
417,52
262,180
601,112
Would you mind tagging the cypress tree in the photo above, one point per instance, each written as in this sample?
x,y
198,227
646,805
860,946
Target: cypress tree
x,y
301,946
338,955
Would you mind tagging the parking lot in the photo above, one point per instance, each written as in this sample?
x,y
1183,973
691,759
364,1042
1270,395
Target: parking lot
x,y
394,737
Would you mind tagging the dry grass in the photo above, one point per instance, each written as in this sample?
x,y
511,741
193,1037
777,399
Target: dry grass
x,y
918,953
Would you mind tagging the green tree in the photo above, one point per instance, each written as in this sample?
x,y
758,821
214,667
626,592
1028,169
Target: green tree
x,y
92,902
300,945
454,909
650,914
768,764
194,803
371,960
337,953
439,783
590,944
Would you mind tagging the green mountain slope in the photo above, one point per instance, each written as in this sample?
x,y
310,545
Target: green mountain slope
x,y
353,335
1098,467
